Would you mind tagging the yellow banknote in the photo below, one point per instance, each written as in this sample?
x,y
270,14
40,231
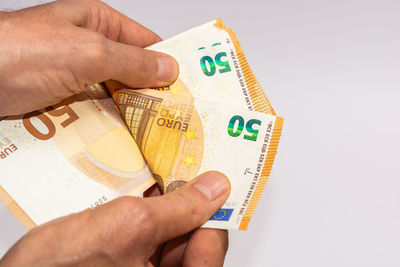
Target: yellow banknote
x,y
80,153
181,137
67,158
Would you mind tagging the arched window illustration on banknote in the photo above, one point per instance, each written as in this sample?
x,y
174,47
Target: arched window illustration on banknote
x,y
139,112
168,131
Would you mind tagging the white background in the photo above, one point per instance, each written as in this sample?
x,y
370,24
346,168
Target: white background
x,y
332,69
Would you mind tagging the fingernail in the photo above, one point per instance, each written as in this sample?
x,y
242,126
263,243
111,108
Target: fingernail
x,y
212,184
167,69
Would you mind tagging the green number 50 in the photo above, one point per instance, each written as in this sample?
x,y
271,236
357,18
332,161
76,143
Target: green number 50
x,y
236,125
208,65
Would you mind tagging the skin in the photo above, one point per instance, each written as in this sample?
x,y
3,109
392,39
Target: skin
x,y
129,231
53,51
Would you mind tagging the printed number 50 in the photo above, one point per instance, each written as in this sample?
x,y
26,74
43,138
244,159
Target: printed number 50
x,y
72,117
208,65
236,125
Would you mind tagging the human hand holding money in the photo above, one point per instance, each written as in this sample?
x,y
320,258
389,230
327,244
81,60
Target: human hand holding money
x,y
53,51
78,154
216,106
134,232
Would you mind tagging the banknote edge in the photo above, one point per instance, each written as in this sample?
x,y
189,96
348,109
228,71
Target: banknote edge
x,y
260,101
16,209
269,160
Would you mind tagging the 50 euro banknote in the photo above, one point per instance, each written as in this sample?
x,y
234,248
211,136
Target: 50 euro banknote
x,y
67,158
212,67
181,137
80,154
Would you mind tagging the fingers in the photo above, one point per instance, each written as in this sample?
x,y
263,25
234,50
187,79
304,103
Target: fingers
x,y
139,68
132,228
155,259
206,247
99,17
102,60
109,45
173,252
189,207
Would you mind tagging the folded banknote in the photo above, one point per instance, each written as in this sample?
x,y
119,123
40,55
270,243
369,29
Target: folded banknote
x,y
67,158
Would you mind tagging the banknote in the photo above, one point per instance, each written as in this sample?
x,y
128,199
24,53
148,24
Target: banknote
x,y
81,154
212,67
67,158
181,137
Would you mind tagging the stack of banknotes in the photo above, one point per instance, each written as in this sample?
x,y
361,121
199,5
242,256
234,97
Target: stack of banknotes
x,y
93,147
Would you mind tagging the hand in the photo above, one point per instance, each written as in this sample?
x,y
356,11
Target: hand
x,y
52,51
129,231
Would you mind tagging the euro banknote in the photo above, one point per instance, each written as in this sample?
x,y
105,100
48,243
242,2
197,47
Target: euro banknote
x,y
213,67
80,154
181,137
67,158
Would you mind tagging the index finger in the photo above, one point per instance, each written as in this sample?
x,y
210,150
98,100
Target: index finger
x,y
206,248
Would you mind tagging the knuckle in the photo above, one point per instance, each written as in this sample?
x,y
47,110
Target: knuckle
x,y
137,214
144,220
100,46
142,65
130,225
146,66
97,52
189,205
90,4
127,205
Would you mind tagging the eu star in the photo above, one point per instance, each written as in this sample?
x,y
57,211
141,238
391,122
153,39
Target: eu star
x,y
190,134
189,160
174,89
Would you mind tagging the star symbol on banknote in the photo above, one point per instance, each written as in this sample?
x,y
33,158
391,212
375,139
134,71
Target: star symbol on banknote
x,y
174,89
190,134
189,160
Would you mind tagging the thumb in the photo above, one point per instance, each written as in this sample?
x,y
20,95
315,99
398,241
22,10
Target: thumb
x,y
134,66
189,207
140,68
